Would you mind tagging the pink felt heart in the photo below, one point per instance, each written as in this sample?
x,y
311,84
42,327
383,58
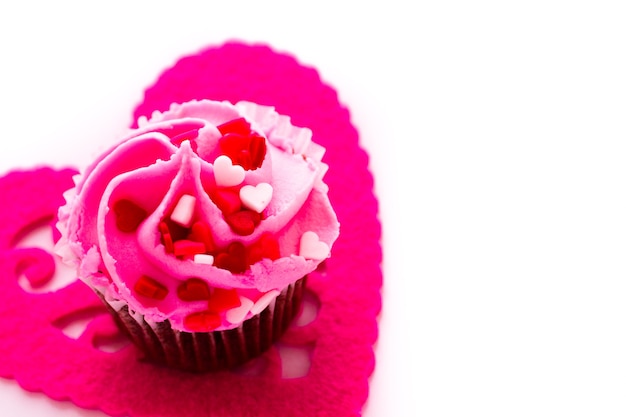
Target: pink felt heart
x,y
312,248
339,341
256,197
227,174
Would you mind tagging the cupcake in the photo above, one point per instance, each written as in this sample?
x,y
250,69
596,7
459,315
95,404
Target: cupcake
x,y
198,230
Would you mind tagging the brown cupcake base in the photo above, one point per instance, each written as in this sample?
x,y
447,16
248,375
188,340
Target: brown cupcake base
x,y
212,351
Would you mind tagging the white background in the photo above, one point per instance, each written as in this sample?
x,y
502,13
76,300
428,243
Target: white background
x,y
497,138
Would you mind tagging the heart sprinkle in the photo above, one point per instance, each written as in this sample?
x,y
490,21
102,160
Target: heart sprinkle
x,y
247,149
312,248
238,314
194,289
150,288
223,299
239,126
201,232
128,215
227,174
256,197
227,200
266,247
202,258
243,222
184,248
202,321
166,237
184,210
264,301
234,259
181,137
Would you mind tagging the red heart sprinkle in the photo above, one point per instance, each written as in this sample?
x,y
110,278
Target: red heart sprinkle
x,y
203,321
240,126
185,248
223,299
166,237
234,259
177,231
194,289
201,232
163,228
180,138
257,150
128,215
232,144
243,158
245,150
243,222
150,288
266,247
168,242
227,200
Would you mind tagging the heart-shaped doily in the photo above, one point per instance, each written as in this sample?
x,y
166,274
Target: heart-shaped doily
x,y
321,366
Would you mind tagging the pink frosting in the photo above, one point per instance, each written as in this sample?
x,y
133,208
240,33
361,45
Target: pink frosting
x,y
170,156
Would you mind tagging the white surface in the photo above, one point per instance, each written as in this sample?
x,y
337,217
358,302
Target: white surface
x,y
497,137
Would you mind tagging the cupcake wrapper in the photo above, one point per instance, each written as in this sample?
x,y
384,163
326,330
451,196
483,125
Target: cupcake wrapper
x,y
211,351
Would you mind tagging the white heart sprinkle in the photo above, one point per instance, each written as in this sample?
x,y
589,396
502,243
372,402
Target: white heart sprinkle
x,y
264,301
238,314
203,258
227,174
256,197
184,210
312,248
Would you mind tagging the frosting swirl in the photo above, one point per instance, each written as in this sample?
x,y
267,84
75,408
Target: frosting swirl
x,y
202,215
